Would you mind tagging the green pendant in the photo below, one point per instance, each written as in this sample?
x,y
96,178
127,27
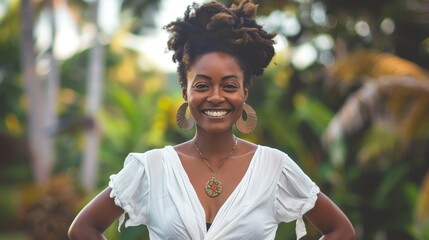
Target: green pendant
x,y
213,187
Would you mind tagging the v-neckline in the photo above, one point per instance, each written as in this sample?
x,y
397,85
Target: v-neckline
x,y
228,199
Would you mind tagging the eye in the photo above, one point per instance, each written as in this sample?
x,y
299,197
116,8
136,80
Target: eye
x,y
230,86
201,86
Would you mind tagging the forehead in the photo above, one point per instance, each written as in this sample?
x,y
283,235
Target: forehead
x,y
216,62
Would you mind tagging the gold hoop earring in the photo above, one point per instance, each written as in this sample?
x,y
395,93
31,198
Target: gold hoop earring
x,y
182,122
248,125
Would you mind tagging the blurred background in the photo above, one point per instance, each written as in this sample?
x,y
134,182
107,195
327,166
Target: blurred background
x,y
85,82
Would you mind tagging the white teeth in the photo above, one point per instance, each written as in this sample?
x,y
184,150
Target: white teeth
x,y
215,113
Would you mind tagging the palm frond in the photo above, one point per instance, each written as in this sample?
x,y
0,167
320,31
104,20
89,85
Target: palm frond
x,y
397,103
364,64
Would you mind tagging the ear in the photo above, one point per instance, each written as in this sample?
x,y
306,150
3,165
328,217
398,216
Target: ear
x,y
246,93
185,93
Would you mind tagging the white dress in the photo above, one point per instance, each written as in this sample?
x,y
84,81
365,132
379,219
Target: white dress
x,y
154,189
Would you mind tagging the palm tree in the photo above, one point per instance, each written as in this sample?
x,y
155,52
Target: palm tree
x,y
95,81
386,118
39,141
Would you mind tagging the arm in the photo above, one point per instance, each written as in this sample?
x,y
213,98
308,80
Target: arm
x,y
330,220
95,218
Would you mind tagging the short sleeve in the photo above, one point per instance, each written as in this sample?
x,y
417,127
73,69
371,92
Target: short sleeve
x,y
296,194
130,190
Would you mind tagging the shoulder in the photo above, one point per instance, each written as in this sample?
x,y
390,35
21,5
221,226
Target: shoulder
x,y
144,164
144,157
269,161
273,153
276,158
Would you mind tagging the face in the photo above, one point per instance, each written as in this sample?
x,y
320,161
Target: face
x,y
215,91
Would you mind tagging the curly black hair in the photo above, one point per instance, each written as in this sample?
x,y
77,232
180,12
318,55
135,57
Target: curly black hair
x,y
214,27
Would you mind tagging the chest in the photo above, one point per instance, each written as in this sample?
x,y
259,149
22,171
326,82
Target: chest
x,y
214,188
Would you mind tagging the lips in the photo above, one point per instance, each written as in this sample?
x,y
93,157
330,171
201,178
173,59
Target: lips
x,y
216,113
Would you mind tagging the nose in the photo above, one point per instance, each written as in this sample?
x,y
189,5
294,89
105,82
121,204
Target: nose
x,y
216,96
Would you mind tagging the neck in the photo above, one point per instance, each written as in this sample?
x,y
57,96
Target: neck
x,y
215,145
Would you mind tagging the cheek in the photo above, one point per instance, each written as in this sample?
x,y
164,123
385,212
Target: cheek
x,y
193,103
242,97
193,110
239,106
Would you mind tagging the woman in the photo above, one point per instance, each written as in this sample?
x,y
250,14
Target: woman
x,y
214,186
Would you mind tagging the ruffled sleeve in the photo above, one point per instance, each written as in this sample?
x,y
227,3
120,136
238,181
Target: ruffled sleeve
x,y
296,194
130,188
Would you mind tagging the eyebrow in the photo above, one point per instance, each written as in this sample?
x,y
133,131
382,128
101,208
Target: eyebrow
x,y
209,78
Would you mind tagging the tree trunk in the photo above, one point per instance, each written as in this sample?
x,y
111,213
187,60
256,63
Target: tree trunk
x,y
94,89
39,148
52,88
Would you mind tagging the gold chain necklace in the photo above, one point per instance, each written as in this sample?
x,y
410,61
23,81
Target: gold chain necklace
x,y
213,186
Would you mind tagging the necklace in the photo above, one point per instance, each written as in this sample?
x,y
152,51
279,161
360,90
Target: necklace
x,y
213,186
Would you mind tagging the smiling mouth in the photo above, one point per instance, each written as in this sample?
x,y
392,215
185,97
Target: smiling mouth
x,y
216,113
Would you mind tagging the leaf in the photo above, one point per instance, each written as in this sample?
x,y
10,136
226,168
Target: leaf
x,y
422,213
381,145
313,112
390,184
